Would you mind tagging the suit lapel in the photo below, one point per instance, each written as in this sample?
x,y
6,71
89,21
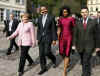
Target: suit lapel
x,y
8,24
88,24
81,24
41,22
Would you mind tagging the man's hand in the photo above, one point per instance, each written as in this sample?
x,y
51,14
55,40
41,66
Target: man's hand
x,y
53,42
97,49
37,42
74,47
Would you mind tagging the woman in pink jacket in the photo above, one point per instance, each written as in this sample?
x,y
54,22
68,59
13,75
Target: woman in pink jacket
x,y
26,38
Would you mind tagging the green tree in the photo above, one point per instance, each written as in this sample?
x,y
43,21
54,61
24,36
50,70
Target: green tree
x,y
54,5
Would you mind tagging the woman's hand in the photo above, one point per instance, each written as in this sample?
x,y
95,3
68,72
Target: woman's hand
x,y
33,45
58,32
9,38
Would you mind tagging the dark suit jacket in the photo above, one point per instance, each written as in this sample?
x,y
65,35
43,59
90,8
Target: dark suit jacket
x,y
98,34
49,31
14,26
85,39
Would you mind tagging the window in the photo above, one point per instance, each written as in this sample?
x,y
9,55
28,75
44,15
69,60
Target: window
x,y
4,0
16,14
96,9
1,14
17,1
91,9
23,2
96,1
7,13
91,1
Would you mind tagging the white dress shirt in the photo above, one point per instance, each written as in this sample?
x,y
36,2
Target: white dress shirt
x,y
86,20
10,25
44,17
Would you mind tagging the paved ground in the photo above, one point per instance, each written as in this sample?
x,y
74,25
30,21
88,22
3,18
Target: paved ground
x,y
9,64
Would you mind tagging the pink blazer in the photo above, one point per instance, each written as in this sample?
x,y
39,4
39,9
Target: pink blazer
x,y
26,34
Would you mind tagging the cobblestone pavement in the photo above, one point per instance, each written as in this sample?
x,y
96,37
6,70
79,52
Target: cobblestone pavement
x,y
9,64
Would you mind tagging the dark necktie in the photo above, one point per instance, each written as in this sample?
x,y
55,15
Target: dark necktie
x,y
84,24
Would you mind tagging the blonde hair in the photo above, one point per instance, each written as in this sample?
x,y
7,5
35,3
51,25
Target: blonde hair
x,y
21,15
26,15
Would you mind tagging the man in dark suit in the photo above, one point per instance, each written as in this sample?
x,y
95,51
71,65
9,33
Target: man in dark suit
x,y
98,34
84,40
10,27
46,35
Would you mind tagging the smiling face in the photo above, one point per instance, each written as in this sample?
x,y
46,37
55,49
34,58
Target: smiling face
x,y
44,10
11,16
84,13
65,13
25,18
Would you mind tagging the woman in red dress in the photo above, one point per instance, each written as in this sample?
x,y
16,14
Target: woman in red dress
x,y
65,26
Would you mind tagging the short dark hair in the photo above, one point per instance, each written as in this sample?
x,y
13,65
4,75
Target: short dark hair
x,y
84,7
98,11
44,6
66,8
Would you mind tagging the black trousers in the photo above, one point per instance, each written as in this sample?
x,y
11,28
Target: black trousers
x,y
12,43
85,61
45,50
24,55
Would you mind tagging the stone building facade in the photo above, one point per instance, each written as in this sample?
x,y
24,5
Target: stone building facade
x,y
11,6
94,6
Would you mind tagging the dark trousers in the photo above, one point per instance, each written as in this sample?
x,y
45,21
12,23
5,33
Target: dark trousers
x,y
45,50
85,61
24,55
12,43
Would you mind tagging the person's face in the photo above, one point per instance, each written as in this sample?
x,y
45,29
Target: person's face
x,y
25,19
11,16
84,13
65,13
98,14
44,10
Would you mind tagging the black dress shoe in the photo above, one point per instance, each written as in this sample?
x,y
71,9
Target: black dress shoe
x,y
16,49
20,73
42,71
8,53
72,51
54,65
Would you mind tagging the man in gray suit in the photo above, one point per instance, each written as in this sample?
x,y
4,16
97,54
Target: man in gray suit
x,y
84,40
